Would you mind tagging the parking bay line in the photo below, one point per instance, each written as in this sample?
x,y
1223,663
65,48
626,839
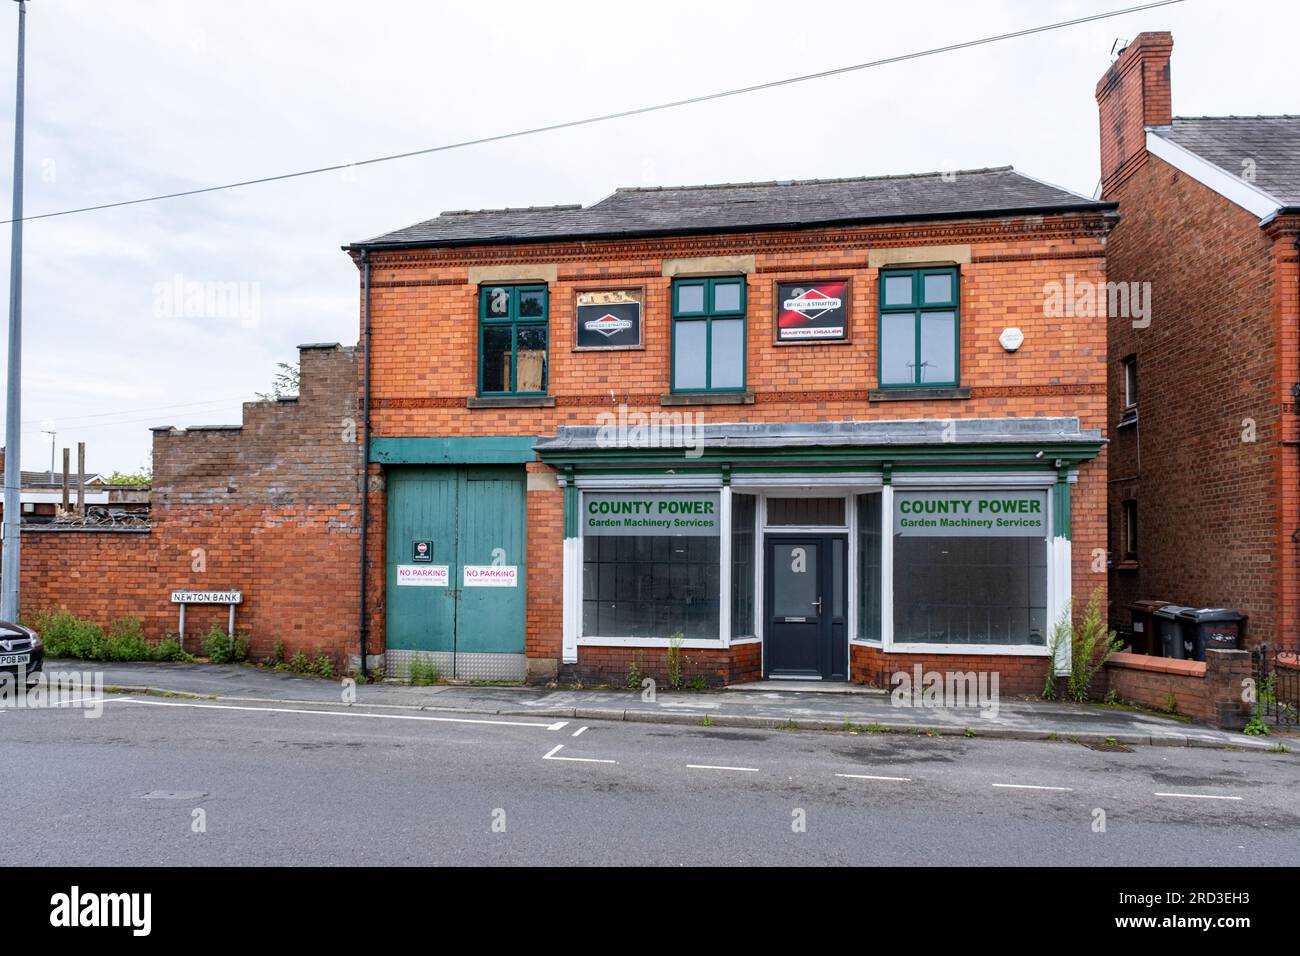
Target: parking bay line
x,y
868,776
1198,796
559,747
705,766
347,713
1030,786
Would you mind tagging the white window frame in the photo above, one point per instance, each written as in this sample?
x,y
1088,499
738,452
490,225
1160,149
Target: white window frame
x,y
1057,554
629,483
848,485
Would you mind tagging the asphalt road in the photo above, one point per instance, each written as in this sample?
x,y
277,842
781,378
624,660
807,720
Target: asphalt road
x,y
274,784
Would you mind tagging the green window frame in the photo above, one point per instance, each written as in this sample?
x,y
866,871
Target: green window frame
x,y
927,309
513,311
710,327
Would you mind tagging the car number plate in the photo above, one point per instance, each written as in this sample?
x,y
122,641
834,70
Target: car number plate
x,y
8,660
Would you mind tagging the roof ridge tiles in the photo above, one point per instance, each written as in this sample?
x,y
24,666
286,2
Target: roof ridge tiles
x,y
1243,116
810,182
475,212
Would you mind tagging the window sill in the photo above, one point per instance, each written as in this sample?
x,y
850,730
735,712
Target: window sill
x,y
918,394
1129,417
786,343
707,398
1128,564
510,401
982,650
698,643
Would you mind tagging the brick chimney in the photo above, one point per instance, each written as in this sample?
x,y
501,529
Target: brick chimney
x,y
1133,94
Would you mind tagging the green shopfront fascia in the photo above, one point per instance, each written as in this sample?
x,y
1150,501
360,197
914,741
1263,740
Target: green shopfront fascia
x,y
927,550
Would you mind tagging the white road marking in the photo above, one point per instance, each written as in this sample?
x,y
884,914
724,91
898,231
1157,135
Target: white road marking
x,y
342,713
578,732
558,725
55,705
81,700
559,747
705,766
1029,786
868,776
1198,796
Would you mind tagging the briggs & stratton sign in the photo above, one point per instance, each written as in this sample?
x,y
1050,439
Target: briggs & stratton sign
x,y
812,311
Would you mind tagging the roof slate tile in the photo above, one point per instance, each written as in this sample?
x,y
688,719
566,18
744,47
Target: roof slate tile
x,y
1267,146
744,206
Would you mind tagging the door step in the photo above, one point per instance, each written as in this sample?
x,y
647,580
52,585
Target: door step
x,y
808,687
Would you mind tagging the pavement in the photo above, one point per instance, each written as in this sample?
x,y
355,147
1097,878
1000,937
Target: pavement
x,y
768,706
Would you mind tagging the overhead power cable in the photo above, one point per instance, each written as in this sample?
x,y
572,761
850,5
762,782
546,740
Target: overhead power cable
x,y
73,419
607,117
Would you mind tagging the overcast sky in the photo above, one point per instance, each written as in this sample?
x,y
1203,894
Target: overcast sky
x,y
126,99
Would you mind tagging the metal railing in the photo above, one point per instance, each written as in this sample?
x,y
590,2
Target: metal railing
x,y
1277,684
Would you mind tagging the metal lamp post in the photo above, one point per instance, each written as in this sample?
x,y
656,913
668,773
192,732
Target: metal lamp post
x,y
11,558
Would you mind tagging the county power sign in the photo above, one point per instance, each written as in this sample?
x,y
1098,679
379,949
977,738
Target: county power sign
x,y
651,514
959,514
811,311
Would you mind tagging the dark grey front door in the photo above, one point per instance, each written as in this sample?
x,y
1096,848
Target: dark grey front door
x,y
805,604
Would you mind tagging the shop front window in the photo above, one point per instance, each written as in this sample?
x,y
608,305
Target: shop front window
x,y
651,565
743,514
970,567
869,542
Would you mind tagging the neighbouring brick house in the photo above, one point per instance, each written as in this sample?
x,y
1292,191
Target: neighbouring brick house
x,y
823,430
269,508
1204,491
1205,459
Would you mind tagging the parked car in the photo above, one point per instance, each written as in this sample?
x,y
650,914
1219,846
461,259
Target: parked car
x,y
21,650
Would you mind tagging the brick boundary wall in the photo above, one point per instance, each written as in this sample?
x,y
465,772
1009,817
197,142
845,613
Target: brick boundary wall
x,y
1210,691
269,507
96,573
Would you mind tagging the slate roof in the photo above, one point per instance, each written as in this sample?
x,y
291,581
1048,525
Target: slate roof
x,y
751,206
1272,143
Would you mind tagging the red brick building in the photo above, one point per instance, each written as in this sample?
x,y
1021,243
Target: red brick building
x,y
823,430
1204,500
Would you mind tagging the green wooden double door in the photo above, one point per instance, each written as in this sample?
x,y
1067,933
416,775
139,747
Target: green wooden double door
x,y
456,561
